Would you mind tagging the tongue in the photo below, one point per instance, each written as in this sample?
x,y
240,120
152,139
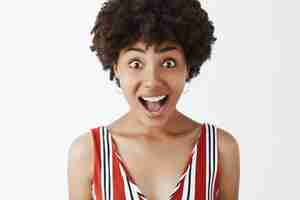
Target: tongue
x,y
153,106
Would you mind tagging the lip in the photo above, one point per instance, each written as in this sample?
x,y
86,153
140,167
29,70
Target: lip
x,y
158,113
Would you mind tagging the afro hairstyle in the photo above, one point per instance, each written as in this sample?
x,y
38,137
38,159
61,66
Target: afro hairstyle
x,y
121,23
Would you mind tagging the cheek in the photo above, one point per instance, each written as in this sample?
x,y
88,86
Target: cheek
x,y
128,85
125,79
176,79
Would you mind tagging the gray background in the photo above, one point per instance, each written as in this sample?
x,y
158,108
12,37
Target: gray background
x,y
53,89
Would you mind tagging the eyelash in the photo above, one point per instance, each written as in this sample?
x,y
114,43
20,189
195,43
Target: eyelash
x,y
137,60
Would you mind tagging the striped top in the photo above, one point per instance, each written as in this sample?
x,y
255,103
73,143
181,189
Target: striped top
x,y
199,180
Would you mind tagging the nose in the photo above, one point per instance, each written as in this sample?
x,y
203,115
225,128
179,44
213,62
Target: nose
x,y
152,78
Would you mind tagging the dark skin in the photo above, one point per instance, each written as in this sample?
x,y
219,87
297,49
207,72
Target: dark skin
x,y
164,140
170,152
81,162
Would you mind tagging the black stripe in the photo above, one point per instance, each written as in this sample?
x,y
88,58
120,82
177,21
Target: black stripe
x,y
140,194
189,183
131,195
104,158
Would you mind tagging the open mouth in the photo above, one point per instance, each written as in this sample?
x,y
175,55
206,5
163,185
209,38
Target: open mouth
x,y
154,105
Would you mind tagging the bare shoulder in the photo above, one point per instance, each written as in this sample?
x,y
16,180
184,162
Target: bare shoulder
x,y
81,150
80,170
227,142
230,165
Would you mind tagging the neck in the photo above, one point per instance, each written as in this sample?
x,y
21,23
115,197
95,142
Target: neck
x,y
175,125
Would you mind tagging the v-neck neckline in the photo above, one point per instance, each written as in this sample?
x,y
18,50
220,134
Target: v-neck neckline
x,y
182,175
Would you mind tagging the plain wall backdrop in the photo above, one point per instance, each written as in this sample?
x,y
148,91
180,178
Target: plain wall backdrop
x,y
53,89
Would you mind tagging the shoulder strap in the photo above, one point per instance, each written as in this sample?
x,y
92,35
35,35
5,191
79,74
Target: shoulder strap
x,y
96,192
212,161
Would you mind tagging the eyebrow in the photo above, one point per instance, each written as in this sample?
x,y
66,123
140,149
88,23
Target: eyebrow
x,y
162,50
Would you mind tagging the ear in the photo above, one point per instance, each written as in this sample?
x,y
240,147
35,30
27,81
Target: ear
x,y
116,70
187,72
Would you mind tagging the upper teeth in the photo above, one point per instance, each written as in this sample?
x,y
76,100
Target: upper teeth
x,y
154,99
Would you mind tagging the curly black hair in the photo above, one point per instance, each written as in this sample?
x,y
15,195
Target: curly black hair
x,y
121,23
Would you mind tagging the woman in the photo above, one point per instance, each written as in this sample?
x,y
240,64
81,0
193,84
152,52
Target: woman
x,y
152,48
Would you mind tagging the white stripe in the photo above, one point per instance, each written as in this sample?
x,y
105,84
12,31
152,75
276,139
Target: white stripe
x,y
185,185
211,160
216,159
207,162
126,189
93,191
212,164
133,187
111,167
177,186
106,165
101,141
189,186
193,177
144,198
135,191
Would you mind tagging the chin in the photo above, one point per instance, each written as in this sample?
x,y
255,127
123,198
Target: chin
x,y
154,122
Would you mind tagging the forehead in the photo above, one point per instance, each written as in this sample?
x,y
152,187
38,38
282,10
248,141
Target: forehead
x,y
142,47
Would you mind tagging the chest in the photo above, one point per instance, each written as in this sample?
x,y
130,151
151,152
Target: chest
x,y
156,168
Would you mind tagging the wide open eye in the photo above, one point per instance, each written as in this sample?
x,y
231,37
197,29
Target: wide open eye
x,y
135,64
169,63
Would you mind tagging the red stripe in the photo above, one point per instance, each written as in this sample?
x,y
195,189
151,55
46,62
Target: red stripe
x,y
198,191
118,183
97,175
201,167
179,192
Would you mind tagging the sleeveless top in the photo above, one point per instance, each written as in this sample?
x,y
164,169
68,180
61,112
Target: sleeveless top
x,y
199,180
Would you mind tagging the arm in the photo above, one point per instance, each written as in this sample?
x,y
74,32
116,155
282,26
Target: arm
x,y
230,166
80,168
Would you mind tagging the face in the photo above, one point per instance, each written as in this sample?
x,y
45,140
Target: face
x,y
152,81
